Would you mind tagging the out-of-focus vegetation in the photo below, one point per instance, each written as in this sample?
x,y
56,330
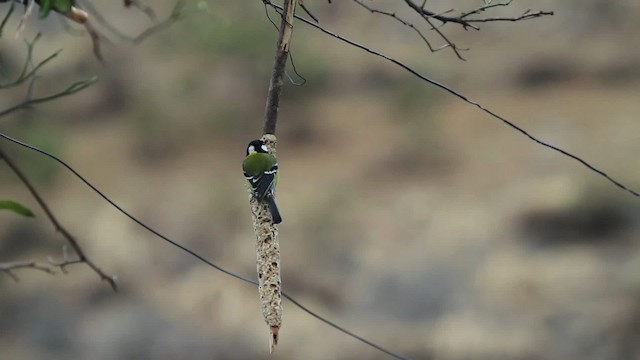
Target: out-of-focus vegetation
x,y
409,216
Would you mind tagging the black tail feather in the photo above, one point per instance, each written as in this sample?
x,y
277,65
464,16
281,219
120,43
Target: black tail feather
x,y
273,209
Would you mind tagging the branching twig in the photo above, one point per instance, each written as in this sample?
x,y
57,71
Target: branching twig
x,y
403,22
464,19
25,73
96,37
301,3
448,42
465,99
9,267
72,89
82,257
174,16
467,23
6,17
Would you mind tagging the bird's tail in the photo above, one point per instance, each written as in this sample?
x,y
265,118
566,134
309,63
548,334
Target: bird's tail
x,y
273,209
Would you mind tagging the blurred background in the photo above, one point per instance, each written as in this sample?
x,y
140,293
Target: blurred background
x,y
410,217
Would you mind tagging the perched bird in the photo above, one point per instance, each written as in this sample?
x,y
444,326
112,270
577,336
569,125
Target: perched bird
x,y
261,170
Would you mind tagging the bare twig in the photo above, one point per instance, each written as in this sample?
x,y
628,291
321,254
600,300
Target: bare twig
x,y
483,7
6,17
527,15
27,74
403,22
82,257
96,37
301,3
174,16
464,19
9,267
277,73
72,89
465,99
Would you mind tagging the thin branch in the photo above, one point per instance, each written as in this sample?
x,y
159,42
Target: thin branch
x,y
72,89
293,64
402,21
25,73
6,17
175,15
9,267
527,15
467,100
483,7
307,11
279,65
467,23
450,44
96,37
192,252
464,20
82,257
142,7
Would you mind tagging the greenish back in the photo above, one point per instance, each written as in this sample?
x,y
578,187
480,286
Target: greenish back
x,y
256,164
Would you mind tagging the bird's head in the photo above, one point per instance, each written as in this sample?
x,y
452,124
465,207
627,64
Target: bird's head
x,y
257,146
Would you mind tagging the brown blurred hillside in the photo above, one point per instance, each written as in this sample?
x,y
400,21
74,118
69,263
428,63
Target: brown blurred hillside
x,y
410,217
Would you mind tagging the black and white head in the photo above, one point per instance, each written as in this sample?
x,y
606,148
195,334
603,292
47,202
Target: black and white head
x,y
257,146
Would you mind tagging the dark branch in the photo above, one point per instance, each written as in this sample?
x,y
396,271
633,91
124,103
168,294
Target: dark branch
x,y
6,17
82,257
465,19
96,37
461,19
175,15
279,65
27,74
403,22
307,11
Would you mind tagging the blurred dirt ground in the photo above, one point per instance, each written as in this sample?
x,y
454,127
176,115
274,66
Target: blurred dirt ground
x,y
410,217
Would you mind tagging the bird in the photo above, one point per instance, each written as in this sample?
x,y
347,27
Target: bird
x,y
261,170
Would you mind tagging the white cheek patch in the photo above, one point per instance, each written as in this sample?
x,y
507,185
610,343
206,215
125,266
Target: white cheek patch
x,y
251,149
264,147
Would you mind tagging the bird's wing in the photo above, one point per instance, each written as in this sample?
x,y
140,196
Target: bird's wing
x,y
263,184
